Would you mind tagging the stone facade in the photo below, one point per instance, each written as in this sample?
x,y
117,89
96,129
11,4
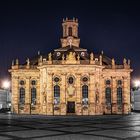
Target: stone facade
x,y
71,81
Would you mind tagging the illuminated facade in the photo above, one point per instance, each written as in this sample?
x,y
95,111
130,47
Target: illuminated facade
x,y
70,80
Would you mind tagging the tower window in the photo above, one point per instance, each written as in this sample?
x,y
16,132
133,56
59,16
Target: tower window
x,y
70,31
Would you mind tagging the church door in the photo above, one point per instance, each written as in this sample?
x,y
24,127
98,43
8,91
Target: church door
x,y
71,107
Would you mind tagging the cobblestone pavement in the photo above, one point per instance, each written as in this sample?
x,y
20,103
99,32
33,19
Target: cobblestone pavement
x,y
26,127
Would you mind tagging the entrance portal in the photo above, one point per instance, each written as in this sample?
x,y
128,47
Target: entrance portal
x,y
70,107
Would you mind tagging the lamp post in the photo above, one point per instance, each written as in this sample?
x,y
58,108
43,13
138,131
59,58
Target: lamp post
x,y
6,86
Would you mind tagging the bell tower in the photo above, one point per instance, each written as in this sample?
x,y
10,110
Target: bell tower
x,y
70,33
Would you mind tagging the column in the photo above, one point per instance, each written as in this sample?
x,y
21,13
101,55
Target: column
x,y
126,95
101,94
91,94
49,94
15,95
63,108
78,95
42,108
114,96
27,96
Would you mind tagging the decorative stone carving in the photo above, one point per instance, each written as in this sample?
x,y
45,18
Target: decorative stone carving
x,y
71,90
113,63
17,62
28,62
100,59
91,56
78,57
12,62
50,57
63,57
71,56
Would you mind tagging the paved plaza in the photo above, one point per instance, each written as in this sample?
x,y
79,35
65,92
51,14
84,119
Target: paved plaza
x,y
107,127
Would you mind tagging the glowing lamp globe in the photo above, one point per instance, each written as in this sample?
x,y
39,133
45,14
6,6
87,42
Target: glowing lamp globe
x,y
137,83
6,84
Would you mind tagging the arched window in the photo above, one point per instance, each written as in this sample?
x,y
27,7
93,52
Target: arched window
x,y
56,94
85,91
119,95
33,96
108,95
56,91
70,31
22,95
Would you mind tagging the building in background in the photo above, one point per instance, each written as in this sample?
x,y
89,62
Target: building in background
x,y
70,80
5,99
135,99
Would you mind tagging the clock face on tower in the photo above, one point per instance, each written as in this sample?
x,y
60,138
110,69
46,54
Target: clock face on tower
x,y
82,53
58,53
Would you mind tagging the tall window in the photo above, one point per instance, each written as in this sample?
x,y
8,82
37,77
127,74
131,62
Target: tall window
x,y
33,96
85,91
85,95
22,95
119,95
56,94
108,95
70,31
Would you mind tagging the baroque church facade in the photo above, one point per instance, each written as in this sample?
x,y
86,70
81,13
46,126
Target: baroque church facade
x,y
70,80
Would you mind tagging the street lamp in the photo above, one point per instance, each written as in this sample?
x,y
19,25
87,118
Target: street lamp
x,y
137,83
6,84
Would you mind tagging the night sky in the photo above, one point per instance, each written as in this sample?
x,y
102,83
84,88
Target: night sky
x,y
32,26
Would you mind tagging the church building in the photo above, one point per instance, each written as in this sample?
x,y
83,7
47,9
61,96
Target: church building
x,y
71,81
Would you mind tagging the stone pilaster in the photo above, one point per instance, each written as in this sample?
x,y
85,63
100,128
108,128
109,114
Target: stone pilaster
x,y
41,91
126,95
91,94
101,94
27,96
49,94
78,94
63,94
15,94
114,95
